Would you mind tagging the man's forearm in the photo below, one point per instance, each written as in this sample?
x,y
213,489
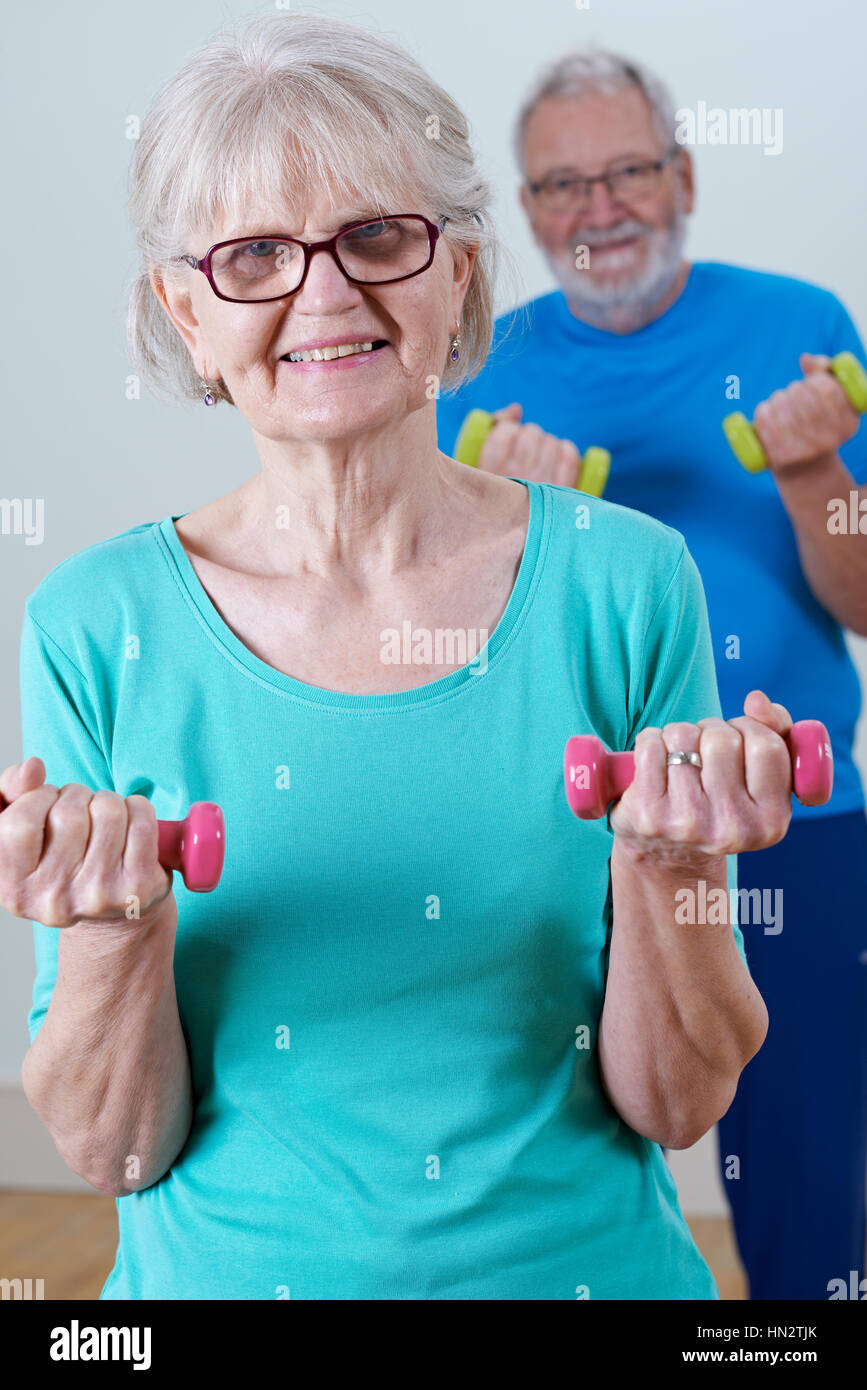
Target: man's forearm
x,y
834,563
108,1072
681,1016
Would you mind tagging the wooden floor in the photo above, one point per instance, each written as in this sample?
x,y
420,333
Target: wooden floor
x,y
65,1239
69,1241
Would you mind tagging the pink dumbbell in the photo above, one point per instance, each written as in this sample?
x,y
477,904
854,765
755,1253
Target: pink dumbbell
x,y
594,777
195,846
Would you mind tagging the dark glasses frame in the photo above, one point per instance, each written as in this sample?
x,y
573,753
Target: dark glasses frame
x,y
309,249
586,184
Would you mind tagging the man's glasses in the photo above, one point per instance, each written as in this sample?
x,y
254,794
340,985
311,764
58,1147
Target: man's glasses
x,y
262,268
629,184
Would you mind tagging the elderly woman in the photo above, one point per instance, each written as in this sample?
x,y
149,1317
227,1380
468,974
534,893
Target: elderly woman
x,y
426,1038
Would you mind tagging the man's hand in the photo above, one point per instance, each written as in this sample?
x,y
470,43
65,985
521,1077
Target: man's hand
x,y
807,422
526,451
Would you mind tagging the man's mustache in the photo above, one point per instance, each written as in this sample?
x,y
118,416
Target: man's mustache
x,y
605,237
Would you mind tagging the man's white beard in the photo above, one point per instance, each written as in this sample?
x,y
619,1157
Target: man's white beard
x,y
626,299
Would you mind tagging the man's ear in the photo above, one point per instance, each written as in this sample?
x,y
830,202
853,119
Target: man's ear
x,y
178,305
685,172
527,204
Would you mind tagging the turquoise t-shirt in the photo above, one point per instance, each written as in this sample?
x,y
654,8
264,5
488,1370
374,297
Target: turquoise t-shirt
x,y
656,399
385,998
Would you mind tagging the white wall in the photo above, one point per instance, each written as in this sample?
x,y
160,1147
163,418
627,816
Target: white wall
x,y
103,463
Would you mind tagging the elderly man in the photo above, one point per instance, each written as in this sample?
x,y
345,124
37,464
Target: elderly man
x,y
643,352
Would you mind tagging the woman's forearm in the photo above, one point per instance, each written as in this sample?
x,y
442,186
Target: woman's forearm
x,y
681,1016
108,1072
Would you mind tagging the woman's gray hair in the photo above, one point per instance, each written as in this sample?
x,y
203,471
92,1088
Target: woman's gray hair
x,y
271,111
597,70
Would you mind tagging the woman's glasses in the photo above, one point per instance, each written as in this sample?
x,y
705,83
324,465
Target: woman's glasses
x,y
377,252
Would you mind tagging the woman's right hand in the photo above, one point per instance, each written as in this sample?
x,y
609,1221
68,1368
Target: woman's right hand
x,y
526,451
69,854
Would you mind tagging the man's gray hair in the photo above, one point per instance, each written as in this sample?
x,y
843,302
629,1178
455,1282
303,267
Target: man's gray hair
x,y
596,70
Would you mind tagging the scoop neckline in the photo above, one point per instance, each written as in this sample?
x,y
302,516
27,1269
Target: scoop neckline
x,y
445,687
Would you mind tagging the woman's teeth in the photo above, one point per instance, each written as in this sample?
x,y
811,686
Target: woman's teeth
x,y
324,354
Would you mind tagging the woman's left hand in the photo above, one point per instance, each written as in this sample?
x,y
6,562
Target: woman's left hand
x,y
740,798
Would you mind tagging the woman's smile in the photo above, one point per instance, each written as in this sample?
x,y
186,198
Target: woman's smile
x,y
362,354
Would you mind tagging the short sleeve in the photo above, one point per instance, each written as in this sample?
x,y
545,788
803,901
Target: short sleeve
x,y
677,676
60,726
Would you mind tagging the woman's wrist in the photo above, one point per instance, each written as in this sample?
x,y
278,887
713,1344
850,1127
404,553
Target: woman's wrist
x,y
666,861
105,937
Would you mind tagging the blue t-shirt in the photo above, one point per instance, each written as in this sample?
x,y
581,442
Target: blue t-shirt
x,y
656,399
385,999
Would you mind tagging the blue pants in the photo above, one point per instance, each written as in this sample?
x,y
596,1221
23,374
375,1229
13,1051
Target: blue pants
x,y
798,1123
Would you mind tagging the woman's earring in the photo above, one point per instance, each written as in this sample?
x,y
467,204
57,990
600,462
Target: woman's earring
x,y
209,397
456,346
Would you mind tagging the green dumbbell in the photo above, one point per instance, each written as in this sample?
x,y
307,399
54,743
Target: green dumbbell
x,y
595,464
595,467
741,433
471,437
